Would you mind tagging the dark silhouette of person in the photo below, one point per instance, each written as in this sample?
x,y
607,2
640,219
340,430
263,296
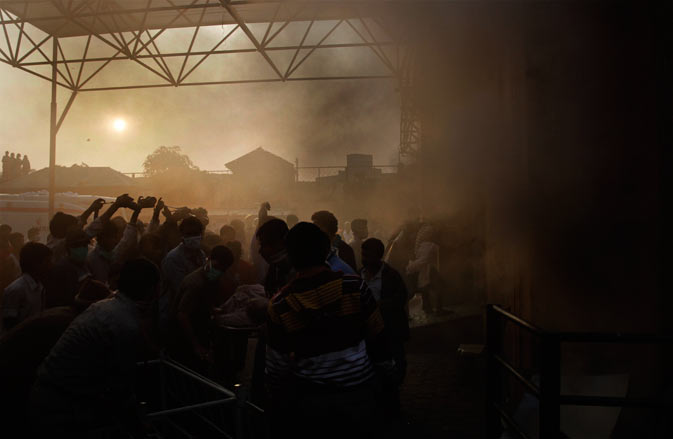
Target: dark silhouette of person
x,y
58,228
241,270
291,220
70,273
227,233
200,292
25,165
5,165
87,382
325,338
390,292
33,234
23,349
183,259
341,257
26,296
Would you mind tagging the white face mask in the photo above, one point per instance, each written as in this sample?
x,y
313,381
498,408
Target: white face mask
x,y
193,242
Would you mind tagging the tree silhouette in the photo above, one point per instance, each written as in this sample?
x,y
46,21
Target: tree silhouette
x,y
167,158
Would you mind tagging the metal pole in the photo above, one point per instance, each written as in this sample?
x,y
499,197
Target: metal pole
x,y
52,130
493,378
550,386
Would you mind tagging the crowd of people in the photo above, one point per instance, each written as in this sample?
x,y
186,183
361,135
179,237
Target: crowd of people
x,y
77,314
14,166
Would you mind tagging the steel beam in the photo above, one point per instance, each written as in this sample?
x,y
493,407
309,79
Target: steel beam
x,y
52,130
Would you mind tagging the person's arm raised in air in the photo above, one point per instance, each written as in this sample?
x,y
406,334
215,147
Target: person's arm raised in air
x,y
96,226
263,213
154,222
130,237
96,206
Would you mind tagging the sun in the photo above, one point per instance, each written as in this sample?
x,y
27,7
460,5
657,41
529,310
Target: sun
x,y
119,125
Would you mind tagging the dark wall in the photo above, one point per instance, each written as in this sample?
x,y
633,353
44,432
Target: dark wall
x,y
552,121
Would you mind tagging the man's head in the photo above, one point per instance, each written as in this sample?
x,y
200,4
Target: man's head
x,y
327,222
34,234
109,236
60,224
227,233
35,259
18,156
5,230
151,247
16,241
202,215
12,155
271,237
77,243
372,253
292,220
191,230
139,280
236,249
220,259
307,246
359,228
210,241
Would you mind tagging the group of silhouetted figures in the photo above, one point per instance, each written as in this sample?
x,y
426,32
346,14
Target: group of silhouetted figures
x,y
77,314
14,166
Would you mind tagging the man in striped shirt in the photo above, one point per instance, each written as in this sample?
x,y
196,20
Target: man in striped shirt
x,y
325,341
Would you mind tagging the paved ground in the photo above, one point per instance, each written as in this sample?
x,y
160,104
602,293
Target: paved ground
x,y
443,395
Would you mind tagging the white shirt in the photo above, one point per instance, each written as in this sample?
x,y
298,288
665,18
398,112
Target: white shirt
x,y
23,298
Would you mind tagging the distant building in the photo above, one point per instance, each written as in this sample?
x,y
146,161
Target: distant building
x,y
260,173
359,167
99,180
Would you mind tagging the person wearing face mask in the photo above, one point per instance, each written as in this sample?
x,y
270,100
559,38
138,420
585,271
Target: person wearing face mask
x,y
182,260
200,292
68,275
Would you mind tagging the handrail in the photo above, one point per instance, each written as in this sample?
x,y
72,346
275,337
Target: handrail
x,y
527,383
510,421
518,320
593,337
548,392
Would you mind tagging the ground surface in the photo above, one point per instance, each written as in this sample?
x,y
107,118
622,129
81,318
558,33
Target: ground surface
x,y
443,395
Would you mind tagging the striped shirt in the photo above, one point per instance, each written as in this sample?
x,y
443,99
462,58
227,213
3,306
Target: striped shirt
x,y
320,329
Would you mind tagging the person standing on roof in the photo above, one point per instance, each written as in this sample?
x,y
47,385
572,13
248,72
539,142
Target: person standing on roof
x,y
5,165
25,165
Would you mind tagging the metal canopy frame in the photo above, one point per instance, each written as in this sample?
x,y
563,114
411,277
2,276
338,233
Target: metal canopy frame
x,y
74,43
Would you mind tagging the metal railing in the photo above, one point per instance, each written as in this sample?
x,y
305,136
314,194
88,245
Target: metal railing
x,y
548,391
179,402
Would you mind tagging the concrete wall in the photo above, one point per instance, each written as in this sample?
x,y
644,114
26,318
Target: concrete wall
x,y
552,120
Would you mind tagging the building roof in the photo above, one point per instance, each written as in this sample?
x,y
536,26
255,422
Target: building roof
x,y
70,177
83,18
258,158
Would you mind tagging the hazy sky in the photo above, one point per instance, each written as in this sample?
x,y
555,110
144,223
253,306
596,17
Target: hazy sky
x,y
317,122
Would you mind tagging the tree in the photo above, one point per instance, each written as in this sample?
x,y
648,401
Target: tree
x,y
167,158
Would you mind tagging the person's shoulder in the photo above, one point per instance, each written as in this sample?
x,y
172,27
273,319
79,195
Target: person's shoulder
x,y
343,245
195,278
390,271
17,286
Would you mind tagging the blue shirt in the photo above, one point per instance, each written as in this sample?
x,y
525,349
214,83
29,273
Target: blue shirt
x,y
337,264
